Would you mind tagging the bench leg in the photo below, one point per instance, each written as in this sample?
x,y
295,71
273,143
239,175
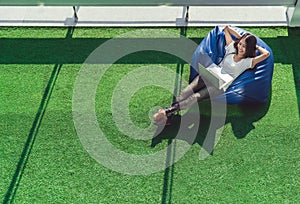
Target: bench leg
x,y
75,13
187,14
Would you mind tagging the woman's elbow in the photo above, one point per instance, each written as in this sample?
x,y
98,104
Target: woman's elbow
x,y
265,55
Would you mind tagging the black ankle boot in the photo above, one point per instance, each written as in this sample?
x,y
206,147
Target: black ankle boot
x,y
172,110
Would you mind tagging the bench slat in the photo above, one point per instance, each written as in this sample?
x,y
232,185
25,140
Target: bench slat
x,y
148,2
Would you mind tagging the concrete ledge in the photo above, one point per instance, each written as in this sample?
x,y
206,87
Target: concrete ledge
x,y
239,16
143,16
36,16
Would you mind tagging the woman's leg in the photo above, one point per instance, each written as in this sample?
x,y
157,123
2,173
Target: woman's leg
x,y
196,85
209,91
204,93
187,96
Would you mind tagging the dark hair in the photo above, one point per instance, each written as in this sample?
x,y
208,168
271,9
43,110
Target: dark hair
x,y
250,44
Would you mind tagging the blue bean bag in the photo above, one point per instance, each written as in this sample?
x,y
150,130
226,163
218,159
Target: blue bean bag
x,y
252,86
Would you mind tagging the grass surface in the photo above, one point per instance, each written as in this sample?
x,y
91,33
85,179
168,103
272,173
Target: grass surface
x,y
256,159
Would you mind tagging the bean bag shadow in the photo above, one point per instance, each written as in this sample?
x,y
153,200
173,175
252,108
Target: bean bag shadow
x,y
252,86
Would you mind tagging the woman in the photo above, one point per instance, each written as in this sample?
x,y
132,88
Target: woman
x,y
239,56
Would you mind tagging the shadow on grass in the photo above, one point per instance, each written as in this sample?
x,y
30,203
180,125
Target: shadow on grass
x,y
76,50
286,51
171,151
241,118
17,177
295,60
25,155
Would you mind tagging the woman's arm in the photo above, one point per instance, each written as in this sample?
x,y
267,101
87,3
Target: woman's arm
x,y
228,32
264,54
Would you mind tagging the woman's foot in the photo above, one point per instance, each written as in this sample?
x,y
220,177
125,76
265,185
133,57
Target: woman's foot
x,y
160,118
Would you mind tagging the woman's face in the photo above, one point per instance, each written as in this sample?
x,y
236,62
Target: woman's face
x,y
241,47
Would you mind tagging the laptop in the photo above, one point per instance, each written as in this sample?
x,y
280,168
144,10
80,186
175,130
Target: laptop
x,y
216,76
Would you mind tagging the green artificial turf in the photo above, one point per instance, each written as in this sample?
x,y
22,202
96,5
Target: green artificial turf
x,y
256,159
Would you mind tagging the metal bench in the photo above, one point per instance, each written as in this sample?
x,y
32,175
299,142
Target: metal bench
x,y
288,8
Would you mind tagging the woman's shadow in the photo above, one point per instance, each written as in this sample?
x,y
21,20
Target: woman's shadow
x,y
241,117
